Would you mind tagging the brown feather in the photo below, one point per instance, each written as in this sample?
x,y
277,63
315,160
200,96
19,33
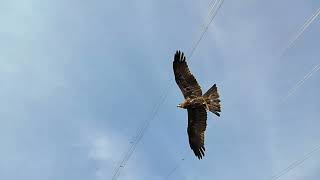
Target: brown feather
x,y
185,80
197,123
212,99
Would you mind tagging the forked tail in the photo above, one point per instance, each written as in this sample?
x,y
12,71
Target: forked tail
x,y
212,100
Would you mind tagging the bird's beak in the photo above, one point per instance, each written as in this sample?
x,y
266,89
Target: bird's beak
x,y
179,105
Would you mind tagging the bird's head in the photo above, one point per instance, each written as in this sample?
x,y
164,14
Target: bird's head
x,y
181,105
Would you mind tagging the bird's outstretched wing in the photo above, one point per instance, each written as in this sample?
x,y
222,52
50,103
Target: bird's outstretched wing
x,y
197,123
185,80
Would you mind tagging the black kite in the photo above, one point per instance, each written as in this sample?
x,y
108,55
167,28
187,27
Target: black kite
x,y
196,103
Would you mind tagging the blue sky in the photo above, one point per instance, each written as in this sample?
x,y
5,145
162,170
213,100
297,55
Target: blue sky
x,y
78,79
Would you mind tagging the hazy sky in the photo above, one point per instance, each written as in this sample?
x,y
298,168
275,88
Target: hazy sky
x,y
78,78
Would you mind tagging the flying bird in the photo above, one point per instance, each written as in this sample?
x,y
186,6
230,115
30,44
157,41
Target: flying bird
x,y
196,103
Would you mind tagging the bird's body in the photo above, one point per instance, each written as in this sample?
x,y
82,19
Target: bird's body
x,y
195,102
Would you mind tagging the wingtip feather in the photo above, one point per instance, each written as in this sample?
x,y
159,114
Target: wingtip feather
x,y
179,56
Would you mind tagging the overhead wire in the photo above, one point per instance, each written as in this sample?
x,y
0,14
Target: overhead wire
x,y
138,137
211,2
176,166
309,21
291,43
141,131
212,14
297,163
301,82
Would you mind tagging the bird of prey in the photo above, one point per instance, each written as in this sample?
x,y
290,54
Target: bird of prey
x,y
196,103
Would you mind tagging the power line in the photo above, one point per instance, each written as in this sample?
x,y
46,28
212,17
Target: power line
x,y
173,170
213,12
302,30
301,82
176,166
291,43
211,2
141,131
295,164
139,136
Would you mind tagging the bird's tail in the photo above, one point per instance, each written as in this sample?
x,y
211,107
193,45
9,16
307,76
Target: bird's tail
x,y
212,100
